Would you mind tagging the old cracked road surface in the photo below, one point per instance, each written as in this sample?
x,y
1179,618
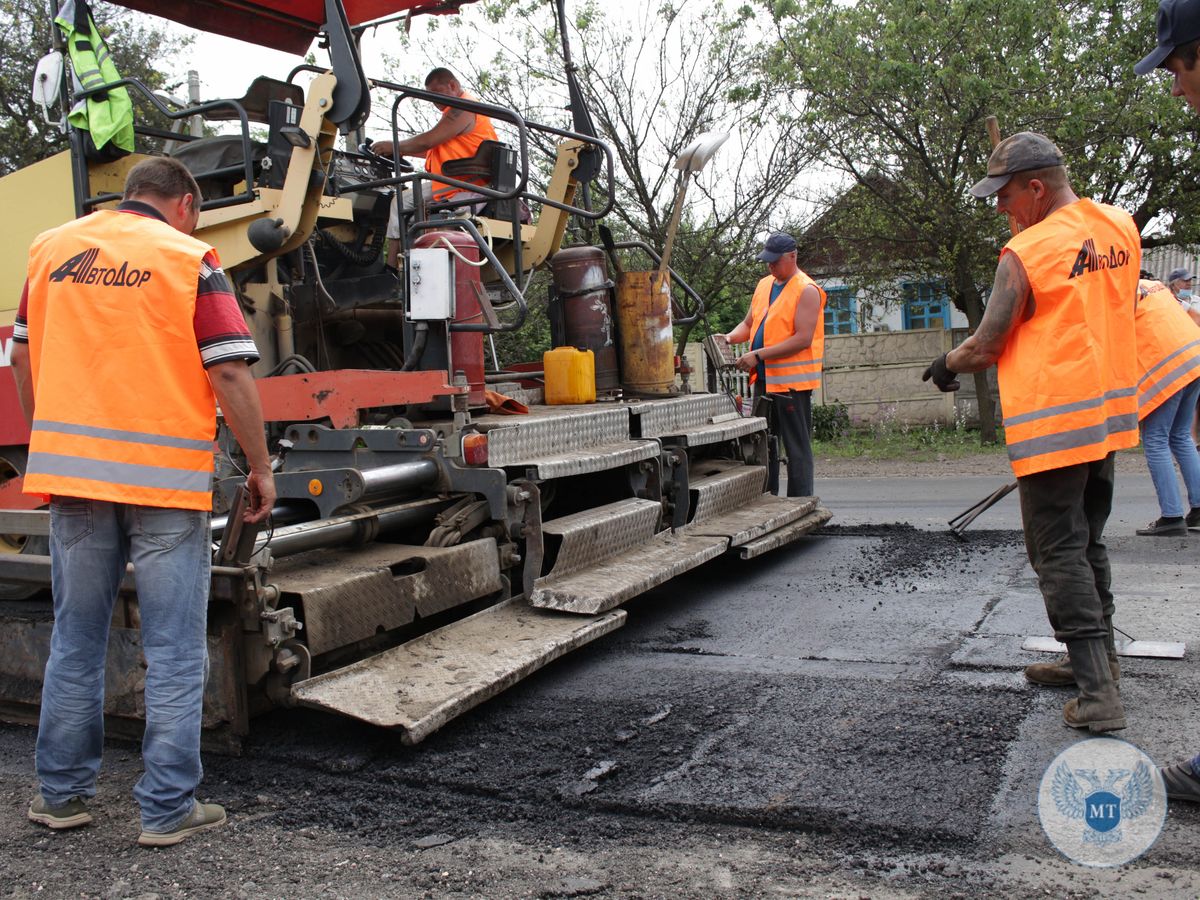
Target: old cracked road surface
x,y
846,718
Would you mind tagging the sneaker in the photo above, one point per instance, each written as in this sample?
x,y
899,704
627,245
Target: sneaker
x,y
1181,782
72,814
1164,527
1192,519
202,817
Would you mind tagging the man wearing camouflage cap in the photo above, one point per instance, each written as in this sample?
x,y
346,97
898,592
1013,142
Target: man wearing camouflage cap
x,y
1058,326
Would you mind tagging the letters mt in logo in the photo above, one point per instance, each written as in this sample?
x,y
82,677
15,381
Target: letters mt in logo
x,y
82,269
1088,260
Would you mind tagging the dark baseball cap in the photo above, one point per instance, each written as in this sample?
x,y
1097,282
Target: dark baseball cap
x,y
1020,152
1178,22
776,245
1180,275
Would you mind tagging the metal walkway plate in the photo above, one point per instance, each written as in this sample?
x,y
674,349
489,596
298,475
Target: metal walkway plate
x,y
758,517
776,539
626,575
1145,649
585,538
726,491
420,686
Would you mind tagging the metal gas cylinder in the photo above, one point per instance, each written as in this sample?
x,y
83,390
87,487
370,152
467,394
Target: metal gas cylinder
x,y
466,347
584,318
644,326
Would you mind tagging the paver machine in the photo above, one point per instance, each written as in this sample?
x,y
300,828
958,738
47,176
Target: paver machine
x,y
428,550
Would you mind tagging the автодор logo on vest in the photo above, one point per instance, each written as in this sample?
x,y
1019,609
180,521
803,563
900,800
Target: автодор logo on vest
x,y
82,269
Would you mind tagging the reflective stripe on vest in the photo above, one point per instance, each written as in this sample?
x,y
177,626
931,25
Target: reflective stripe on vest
x,y
124,410
1068,374
108,116
1168,347
802,370
461,146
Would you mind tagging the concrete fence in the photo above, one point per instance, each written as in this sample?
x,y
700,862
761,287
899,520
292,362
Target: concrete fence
x,y
878,377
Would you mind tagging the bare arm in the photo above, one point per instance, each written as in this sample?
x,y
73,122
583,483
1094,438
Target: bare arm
x,y
452,124
23,374
1006,308
238,395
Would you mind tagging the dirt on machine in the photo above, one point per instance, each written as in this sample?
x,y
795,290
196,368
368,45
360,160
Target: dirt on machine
x,y
431,544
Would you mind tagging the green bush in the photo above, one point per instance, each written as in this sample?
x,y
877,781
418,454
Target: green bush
x,y
831,421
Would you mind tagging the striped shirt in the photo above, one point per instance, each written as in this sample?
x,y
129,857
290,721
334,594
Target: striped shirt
x,y
220,328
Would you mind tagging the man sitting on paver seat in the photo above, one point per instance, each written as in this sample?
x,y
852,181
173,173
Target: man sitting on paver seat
x,y
1057,327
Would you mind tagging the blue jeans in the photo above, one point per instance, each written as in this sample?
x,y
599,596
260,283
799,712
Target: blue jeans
x,y
171,551
1167,431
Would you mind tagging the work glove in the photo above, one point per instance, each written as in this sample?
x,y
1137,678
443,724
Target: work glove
x,y
942,376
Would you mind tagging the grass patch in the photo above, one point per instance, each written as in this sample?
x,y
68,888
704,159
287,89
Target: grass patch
x,y
900,441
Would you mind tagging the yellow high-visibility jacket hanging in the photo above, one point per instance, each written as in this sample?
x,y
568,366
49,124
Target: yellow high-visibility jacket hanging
x,y
107,117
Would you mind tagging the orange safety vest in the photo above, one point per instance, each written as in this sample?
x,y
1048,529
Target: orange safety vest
x,y
461,146
1068,374
123,409
1168,346
802,370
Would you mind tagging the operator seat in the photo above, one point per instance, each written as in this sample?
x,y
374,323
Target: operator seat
x,y
495,164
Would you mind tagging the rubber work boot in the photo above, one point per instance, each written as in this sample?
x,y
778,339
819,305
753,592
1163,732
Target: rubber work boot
x,y
1098,707
202,817
1181,782
1060,674
71,814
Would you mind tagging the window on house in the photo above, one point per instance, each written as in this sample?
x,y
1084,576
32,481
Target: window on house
x,y
840,308
926,304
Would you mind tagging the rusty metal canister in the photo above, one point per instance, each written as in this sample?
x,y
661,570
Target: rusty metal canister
x,y
644,326
585,298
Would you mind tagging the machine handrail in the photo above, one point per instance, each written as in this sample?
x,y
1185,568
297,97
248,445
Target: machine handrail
x,y
246,169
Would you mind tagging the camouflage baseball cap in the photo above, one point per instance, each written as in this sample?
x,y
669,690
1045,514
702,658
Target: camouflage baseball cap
x,y
1020,152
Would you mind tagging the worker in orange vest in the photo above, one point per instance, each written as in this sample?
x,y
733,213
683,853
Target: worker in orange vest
x,y
1178,51
127,336
786,329
1057,326
457,135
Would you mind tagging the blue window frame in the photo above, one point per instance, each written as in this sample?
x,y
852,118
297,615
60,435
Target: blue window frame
x,y
925,304
840,309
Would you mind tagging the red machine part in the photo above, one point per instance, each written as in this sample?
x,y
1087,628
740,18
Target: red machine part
x,y
13,430
466,347
341,395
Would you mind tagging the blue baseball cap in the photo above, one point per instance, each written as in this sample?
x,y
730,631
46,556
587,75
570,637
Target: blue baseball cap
x,y
1178,22
1179,275
776,245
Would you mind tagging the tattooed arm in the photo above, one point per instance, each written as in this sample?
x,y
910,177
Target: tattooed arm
x,y
1006,309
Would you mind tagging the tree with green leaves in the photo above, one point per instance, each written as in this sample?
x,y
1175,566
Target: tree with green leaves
x,y
138,47
899,90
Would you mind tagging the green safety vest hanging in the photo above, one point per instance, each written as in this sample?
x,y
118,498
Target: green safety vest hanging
x,y
107,117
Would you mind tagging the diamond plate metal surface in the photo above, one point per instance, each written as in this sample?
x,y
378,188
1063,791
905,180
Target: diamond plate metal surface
x,y
659,418
623,577
761,516
350,595
719,431
729,490
786,535
421,685
590,536
549,432
596,459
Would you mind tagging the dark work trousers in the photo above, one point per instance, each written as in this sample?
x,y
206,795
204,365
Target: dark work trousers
x,y
1063,512
789,418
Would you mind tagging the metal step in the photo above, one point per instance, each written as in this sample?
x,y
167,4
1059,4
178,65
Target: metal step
x,y
775,539
420,686
591,536
757,518
624,576
731,487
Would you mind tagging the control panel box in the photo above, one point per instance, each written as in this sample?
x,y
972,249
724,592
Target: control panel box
x,y
430,284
